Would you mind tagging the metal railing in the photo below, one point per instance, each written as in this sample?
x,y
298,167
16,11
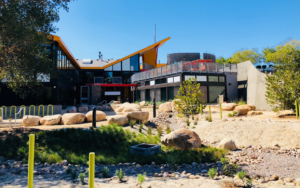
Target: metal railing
x,y
185,66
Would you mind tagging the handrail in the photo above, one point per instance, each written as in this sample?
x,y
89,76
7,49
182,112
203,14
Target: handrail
x,y
102,102
19,113
24,109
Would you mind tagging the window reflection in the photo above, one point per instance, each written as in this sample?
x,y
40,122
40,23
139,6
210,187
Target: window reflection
x,y
134,63
108,77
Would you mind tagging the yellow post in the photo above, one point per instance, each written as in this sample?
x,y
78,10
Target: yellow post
x,y
91,164
33,109
43,110
49,108
31,160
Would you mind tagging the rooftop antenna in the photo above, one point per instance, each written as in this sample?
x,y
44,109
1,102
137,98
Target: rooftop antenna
x,y
100,55
154,33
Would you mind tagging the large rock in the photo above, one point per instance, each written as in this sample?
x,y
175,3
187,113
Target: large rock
x,y
118,119
121,108
31,120
99,116
227,143
132,108
228,106
71,109
182,139
83,109
243,109
115,106
254,113
50,120
116,102
165,107
143,103
72,118
141,116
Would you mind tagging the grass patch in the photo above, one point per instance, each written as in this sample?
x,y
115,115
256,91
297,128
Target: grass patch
x,y
111,145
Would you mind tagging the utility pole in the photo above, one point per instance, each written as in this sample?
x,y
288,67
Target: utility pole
x,y
154,33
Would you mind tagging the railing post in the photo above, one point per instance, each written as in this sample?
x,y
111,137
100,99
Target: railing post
x,y
154,108
94,117
31,160
207,67
91,164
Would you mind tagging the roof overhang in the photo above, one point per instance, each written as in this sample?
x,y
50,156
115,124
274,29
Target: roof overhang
x,y
113,85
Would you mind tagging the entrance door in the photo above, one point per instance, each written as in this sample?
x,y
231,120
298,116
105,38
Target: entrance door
x,y
85,93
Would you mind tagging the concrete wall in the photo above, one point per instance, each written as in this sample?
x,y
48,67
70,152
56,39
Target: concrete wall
x,y
232,87
256,85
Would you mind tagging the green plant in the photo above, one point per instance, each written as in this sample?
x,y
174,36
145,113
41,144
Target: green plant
x,y
212,173
159,130
73,174
197,118
140,127
229,169
188,122
81,177
230,115
141,178
242,175
221,110
241,102
69,170
131,123
195,122
173,159
193,127
168,129
193,118
149,131
120,174
105,172
190,96
234,113
136,102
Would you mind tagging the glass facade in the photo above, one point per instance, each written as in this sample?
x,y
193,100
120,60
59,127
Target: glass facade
x,y
108,77
134,63
214,92
213,78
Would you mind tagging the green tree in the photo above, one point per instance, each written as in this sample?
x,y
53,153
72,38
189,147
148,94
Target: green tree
x,y
190,96
221,59
24,35
283,86
245,55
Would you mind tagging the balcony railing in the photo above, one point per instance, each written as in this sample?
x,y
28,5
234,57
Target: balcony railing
x,y
184,66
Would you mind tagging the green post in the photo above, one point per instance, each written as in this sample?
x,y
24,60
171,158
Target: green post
x,y
201,110
296,107
209,112
221,110
91,170
298,110
31,160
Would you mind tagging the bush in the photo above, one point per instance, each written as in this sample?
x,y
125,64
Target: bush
x,y
105,172
120,174
241,102
242,175
69,170
197,118
230,115
131,123
168,129
73,174
188,122
136,102
141,178
193,118
81,177
195,122
140,126
193,127
212,173
173,159
149,131
159,130
234,113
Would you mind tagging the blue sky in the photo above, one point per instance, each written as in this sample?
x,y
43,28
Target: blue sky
x,y
120,27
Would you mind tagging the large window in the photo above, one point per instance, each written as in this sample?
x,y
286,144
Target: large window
x,y
163,94
108,68
213,78
134,63
117,67
170,93
98,80
108,77
126,77
186,77
126,65
214,92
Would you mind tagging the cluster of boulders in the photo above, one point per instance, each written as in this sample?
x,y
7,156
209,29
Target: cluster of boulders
x,y
246,109
161,119
86,108
66,119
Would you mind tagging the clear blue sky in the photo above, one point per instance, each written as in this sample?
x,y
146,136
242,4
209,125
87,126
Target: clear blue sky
x,y
120,27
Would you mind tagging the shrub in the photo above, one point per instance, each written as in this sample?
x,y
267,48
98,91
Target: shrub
x,y
193,118
197,118
149,131
120,174
234,113
212,173
242,175
195,122
141,178
73,174
69,170
168,129
230,115
136,102
188,122
140,127
229,169
241,102
173,159
131,123
193,127
105,172
81,177
159,130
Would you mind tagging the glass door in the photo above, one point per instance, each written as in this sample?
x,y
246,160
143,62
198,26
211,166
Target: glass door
x,y
85,93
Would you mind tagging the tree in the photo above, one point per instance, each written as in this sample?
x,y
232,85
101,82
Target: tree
x,y
24,35
221,59
190,97
283,87
245,55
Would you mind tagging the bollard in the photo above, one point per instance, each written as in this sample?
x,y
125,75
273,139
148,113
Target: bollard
x,y
154,108
201,110
91,164
94,117
31,160
296,108
221,110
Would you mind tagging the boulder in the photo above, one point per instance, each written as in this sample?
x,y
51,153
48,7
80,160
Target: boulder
x,y
165,107
242,110
132,108
72,118
115,106
71,109
228,106
143,103
227,143
50,120
182,139
99,116
83,109
0,118
31,120
142,116
250,106
121,108
254,113
118,119
116,102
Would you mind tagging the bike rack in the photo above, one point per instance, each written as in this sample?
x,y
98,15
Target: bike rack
x,y
43,110
33,109
49,108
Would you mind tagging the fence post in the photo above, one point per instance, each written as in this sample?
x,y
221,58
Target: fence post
x,y
31,160
154,108
91,170
94,117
